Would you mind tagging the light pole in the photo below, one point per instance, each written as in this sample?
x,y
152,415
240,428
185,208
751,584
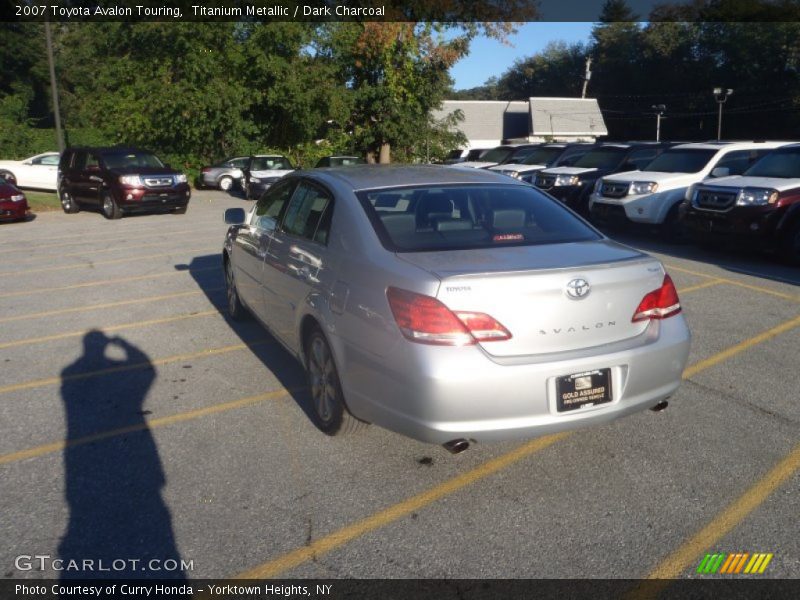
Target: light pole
x,y
660,109
721,95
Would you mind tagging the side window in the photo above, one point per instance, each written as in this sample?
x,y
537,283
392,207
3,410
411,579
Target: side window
x,y
50,160
238,163
309,214
79,162
271,204
737,162
92,161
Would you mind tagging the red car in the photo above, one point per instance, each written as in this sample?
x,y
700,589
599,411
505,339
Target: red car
x,y
13,204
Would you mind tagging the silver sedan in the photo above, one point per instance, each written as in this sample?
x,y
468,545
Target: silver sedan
x,y
453,305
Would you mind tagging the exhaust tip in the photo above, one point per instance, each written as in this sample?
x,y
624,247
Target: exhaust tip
x,y
660,406
456,446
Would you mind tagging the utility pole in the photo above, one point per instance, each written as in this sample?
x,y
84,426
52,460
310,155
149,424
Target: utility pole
x,y
660,109
53,88
587,76
721,95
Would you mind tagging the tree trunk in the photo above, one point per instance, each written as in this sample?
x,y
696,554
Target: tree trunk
x,y
385,156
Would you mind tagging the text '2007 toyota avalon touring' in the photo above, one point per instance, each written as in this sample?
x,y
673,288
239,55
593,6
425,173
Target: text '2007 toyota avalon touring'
x,y
453,305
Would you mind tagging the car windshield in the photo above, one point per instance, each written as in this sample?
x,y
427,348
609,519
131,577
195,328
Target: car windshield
x,y
601,158
475,154
681,161
782,164
270,163
124,160
520,154
459,217
497,155
454,154
542,156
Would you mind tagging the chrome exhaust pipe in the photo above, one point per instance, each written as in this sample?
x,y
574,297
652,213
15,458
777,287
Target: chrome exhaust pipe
x,y
660,406
456,446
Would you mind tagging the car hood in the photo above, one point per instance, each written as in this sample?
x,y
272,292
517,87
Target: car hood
x,y
520,258
780,184
144,171
569,171
474,164
271,173
10,163
517,167
663,179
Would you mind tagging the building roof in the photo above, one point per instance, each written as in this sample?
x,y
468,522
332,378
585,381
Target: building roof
x,y
489,119
566,116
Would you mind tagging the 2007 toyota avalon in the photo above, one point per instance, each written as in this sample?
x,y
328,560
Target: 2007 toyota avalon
x,y
453,305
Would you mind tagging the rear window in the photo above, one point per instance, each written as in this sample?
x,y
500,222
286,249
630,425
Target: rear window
x,y
417,219
681,161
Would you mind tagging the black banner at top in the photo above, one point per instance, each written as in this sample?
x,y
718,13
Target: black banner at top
x,y
392,10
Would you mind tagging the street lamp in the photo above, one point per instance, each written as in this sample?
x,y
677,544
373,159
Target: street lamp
x,y
660,109
721,95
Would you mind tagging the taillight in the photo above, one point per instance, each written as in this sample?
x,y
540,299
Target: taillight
x,y
660,303
426,320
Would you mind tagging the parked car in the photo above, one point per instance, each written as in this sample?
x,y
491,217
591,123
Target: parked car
x,y
573,184
543,157
224,175
499,155
653,195
407,294
13,204
38,171
339,161
262,171
455,156
119,180
760,207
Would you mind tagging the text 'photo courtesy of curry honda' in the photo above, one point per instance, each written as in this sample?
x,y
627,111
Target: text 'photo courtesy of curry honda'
x,y
453,305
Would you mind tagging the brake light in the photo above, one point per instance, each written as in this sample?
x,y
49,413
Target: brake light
x,y
425,320
660,303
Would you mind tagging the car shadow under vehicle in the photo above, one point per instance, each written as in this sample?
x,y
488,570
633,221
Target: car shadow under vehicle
x,y
208,275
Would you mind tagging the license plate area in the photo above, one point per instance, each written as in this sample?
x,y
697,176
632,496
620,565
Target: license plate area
x,y
588,388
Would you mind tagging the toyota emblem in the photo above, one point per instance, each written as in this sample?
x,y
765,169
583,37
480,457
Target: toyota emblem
x,y
578,288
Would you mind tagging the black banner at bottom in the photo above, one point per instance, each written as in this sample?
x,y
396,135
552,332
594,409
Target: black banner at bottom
x,y
416,589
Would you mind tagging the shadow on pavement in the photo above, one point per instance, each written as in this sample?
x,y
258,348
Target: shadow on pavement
x,y
117,517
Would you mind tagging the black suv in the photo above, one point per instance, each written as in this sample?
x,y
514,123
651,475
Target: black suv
x,y
573,185
119,180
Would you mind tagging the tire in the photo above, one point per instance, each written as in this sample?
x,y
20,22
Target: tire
x,y
790,245
225,183
68,203
236,310
110,208
328,408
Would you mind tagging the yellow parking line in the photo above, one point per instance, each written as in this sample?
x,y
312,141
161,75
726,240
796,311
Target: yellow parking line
x,y
757,288
393,513
740,347
296,557
685,556
15,387
74,309
149,424
90,250
700,286
61,336
93,264
122,239
106,282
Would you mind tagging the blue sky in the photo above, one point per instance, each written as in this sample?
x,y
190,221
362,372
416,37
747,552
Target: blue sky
x,y
488,58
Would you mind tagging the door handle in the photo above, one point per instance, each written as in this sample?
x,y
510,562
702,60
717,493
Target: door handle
x,y
95,178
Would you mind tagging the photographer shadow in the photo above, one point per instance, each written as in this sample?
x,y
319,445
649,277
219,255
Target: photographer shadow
x,y
117,517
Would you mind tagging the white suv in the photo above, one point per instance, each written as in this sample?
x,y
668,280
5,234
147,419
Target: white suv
x,y
653,195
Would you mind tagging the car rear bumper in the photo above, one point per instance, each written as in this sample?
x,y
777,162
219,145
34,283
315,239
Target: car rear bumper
x,y
437,394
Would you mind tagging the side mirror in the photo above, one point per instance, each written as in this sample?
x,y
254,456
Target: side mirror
x,y
720,172
234,216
